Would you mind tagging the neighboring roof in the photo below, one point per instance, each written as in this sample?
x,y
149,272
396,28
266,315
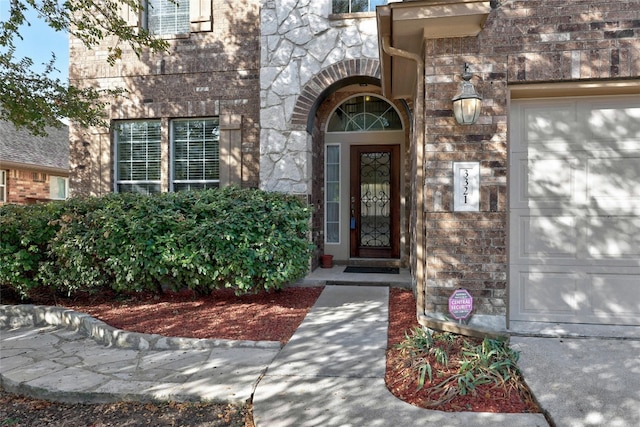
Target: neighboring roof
x,y
18,147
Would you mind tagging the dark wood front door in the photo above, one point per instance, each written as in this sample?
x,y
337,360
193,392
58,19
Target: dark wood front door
x,y
375,201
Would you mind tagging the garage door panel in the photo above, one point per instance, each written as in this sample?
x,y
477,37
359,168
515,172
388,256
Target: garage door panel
x,y
549,180
548,292
613,236
548,236
549,124
614,178
558,294
544,181
613,121
614,296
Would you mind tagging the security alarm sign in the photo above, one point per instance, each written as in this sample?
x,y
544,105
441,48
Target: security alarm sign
x,y
460,304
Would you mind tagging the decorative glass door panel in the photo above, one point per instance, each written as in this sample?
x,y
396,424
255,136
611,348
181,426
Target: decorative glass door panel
x,y
375,201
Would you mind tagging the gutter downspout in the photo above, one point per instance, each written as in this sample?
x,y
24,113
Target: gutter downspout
x,y
418,137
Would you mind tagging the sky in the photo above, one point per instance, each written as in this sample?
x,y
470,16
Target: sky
x,y
39,41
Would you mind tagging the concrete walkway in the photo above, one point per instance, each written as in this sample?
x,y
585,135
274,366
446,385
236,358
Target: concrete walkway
x,y
583,382
71,357
331,373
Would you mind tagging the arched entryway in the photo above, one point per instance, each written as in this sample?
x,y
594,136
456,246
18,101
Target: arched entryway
x,y
363,187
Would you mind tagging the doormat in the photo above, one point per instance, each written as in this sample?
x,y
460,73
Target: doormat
x,y
373,270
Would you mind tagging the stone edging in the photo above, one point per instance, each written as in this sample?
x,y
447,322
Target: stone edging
x,y
27,315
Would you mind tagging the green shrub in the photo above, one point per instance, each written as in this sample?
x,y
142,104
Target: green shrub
x,y
244,239
25,232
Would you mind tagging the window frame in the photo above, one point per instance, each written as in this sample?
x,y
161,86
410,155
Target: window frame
x,y
200,17
206,183
369,10
3,186
65,180
391,116
338,183
117,182
146,17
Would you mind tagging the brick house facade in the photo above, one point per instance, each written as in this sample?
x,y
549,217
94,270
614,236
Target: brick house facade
x,y
522,42
279,75
547,53
210,72
33,168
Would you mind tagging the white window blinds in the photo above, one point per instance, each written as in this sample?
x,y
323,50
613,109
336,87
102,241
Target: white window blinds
x,y
167,17
196,153
170,17
138,157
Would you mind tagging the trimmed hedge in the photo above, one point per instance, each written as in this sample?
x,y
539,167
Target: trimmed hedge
x,y
244,239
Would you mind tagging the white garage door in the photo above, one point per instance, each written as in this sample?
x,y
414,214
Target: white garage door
x,y
575,210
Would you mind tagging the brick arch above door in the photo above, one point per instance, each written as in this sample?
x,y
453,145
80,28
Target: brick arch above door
x,y
327,81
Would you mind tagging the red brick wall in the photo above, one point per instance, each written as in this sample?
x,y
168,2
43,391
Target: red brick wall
x,y
25,186
530,41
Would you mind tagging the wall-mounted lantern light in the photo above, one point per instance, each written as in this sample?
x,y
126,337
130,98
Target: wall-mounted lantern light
x,y
467,102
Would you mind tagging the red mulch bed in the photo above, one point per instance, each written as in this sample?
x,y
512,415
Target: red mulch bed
x,y
274,316
403,381
266,316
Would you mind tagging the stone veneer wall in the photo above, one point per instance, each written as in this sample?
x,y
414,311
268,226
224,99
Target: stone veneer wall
x,y
206,74
526,41
300,44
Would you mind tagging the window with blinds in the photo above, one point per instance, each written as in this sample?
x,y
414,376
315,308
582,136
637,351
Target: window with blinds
x,y
196,154
168,17
138,157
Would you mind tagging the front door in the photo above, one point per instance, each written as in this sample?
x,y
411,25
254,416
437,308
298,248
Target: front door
x,y
375,201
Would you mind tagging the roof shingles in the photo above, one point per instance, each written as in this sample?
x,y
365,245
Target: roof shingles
x,y
20,146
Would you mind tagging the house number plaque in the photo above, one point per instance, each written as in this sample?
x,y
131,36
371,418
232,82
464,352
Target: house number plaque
x,y
466,186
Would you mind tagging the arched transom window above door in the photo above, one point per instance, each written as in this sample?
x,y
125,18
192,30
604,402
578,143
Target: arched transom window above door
x,y
364,113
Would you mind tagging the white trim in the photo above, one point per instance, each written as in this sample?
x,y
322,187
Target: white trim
x,y
574,89
66,187
3,186
326,201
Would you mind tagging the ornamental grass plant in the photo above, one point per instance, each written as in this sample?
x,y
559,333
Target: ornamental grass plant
x,y
447,365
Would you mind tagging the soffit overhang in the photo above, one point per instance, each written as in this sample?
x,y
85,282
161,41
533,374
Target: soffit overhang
x,y
405,25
